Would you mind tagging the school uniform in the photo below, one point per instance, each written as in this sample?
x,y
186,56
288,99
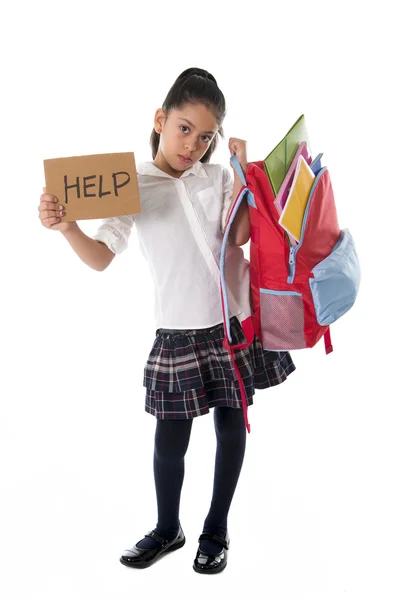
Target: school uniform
x,y
180,232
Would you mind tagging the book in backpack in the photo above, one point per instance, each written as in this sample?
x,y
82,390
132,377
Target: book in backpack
x,y
299,287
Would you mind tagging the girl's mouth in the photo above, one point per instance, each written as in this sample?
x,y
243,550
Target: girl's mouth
x,y
186,161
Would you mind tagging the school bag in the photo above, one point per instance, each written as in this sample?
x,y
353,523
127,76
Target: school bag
x,y
297,292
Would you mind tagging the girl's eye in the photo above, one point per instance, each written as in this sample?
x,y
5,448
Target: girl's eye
x,y
204,136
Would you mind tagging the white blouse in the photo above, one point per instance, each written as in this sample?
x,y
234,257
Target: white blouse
x,y
180,232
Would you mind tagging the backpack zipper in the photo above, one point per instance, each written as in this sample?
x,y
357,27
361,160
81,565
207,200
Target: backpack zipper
x,y
294,250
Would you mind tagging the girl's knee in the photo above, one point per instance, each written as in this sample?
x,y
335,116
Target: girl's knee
x,y
172,437
228,419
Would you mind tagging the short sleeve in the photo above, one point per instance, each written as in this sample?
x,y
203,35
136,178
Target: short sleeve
x,y
114,232
228,184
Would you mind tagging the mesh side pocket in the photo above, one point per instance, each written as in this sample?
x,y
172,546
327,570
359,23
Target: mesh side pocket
x,y
282,320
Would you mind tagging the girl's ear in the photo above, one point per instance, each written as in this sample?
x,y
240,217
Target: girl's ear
x,y
159,120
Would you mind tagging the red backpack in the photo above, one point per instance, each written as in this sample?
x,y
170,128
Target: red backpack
x,y
296,291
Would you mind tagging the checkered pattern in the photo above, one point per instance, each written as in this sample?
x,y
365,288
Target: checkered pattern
x,y
187,373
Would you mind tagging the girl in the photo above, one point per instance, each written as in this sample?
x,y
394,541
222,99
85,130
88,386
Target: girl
x,y
184,205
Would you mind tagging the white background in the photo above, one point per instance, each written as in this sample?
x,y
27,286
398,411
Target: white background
x,y
315,512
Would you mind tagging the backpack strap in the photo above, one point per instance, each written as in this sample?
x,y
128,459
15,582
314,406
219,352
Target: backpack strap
x,y
327,341
238,168
247,325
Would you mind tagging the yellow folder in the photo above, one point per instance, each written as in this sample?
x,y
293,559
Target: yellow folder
x,y
294,209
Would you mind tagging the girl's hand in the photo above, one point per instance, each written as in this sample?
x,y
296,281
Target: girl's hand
x,y
50,213
239,148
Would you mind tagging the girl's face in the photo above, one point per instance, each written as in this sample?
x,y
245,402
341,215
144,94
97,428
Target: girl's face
x,y
185,134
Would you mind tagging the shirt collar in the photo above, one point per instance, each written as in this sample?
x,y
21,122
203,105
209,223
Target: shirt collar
x,y
147,168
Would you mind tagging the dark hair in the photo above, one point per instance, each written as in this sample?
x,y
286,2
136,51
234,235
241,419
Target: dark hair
x,y
194,86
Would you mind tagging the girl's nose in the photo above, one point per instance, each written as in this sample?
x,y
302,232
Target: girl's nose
x,y
191,146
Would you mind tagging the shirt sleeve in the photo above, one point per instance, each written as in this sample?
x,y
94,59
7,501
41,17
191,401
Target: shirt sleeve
x,y
228,184
114,232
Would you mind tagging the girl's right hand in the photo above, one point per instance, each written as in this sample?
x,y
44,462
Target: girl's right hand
x,y
49,212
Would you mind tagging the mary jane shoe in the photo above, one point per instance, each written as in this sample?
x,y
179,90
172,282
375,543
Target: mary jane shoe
x,y
140,558
212,563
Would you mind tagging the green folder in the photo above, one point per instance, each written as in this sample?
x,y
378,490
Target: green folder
x,y
279,160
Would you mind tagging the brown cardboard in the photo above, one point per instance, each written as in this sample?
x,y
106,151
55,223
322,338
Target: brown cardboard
x,y
103,185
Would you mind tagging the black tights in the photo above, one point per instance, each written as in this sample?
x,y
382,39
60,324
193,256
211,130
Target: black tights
x,y
171,443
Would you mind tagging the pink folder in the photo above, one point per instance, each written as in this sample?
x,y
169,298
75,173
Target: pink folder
x,y
284,190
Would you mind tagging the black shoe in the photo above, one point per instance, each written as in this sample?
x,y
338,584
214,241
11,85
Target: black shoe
x,y
140,558
212,563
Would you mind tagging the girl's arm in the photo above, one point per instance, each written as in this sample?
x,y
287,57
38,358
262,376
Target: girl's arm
x,y
240,228
94,253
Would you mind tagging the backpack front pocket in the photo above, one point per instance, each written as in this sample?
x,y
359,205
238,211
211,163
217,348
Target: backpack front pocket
x,y
282,320
336,281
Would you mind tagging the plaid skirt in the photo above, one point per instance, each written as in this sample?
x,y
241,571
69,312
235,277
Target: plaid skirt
x,y
189,372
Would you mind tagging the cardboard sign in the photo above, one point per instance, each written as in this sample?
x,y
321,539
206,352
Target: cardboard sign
x,y
94,186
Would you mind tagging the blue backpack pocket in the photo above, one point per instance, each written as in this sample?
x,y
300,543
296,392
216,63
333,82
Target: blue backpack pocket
x,y
336,281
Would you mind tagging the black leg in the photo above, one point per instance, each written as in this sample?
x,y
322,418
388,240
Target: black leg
x,y
171,443
231,442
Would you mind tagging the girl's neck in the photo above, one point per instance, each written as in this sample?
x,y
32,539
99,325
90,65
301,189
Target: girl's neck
x,y
162,164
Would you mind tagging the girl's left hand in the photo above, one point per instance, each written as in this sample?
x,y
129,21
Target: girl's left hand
x,y
239,148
